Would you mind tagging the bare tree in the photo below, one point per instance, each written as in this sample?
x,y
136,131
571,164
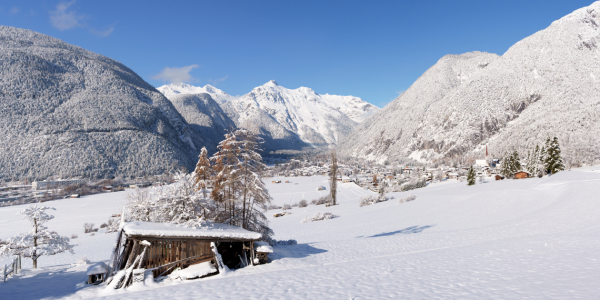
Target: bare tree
x,y
333,177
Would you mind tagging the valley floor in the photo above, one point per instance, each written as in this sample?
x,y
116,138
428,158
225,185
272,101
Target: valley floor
x,y
513,239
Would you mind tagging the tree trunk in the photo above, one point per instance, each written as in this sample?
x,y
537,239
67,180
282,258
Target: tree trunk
x,y
35,244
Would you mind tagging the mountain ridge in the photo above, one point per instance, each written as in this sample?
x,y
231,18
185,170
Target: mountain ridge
x,y
67,111
505,104
298,117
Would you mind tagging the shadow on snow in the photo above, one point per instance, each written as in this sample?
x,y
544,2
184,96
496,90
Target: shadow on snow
x,y
407,230
53,282
294,251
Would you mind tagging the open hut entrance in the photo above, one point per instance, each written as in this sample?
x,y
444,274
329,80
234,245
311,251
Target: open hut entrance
x,y
235,255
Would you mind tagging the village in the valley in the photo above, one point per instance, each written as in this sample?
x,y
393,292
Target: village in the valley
x,y
369,176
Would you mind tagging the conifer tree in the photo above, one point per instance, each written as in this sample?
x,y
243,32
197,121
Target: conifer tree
x,y
203,173
553,161
515,163
505,166
253,193
39,241
226,177
471,176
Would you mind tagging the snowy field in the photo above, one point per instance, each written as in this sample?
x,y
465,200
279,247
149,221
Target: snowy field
x,y
512,239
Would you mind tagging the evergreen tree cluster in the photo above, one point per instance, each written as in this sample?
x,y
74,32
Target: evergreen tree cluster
x,y
539,161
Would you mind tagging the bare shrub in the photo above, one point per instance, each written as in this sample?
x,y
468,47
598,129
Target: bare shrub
x,y
273,206
286,207
370,200
295,204
113,225
283,242
408,198
104,225
74,236
319,217
302,203
322,200
88,227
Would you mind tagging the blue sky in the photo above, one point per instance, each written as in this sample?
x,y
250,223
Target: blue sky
x,y
370,49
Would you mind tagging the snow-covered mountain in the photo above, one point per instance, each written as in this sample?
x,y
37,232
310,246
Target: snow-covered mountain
x,y
285,118
318,120
174,89
65,111
544,85
204,116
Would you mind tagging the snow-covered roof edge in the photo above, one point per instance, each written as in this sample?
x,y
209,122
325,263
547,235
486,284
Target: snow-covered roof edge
x,y
166,230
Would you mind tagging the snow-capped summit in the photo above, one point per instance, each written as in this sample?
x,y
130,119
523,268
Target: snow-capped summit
x,y
270,83
286,118
318,120
173,89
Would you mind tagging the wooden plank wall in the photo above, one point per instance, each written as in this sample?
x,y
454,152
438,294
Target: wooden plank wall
x,y
162,252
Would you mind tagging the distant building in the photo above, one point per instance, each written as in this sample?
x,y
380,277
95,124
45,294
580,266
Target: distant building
x,y
521,175
54,184
481,163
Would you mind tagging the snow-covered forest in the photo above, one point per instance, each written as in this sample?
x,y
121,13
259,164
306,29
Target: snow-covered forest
x,y
544,85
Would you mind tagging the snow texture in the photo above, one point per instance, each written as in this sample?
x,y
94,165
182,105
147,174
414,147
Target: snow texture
x,y
540,87
66,111
97,268
194,271
176,89
535,238
215,230
263,247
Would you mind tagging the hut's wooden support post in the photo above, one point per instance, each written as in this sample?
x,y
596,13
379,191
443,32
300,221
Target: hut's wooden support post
x,y
132,255
252,256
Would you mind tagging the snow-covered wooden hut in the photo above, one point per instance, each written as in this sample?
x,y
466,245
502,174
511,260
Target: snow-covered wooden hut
x,y
96,273
163,247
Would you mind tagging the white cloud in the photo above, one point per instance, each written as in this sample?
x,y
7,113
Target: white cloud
x,y
63,19
215,82
14,10
102,33
176,75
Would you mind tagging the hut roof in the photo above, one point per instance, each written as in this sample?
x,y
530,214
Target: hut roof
x,y
98,268
166,230
263,247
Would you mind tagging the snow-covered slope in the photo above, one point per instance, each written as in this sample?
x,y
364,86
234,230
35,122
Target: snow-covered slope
x,y
287,119
65,111
545,85
174,89
318,120
205,117
534,238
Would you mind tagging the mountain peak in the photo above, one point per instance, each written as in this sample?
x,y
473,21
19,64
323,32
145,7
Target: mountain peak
x,y
271,83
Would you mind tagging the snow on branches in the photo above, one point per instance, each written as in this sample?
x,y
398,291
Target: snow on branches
x,y
226,188
39,240
319,217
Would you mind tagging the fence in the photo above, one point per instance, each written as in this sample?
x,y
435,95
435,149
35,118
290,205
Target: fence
x,y
12,268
